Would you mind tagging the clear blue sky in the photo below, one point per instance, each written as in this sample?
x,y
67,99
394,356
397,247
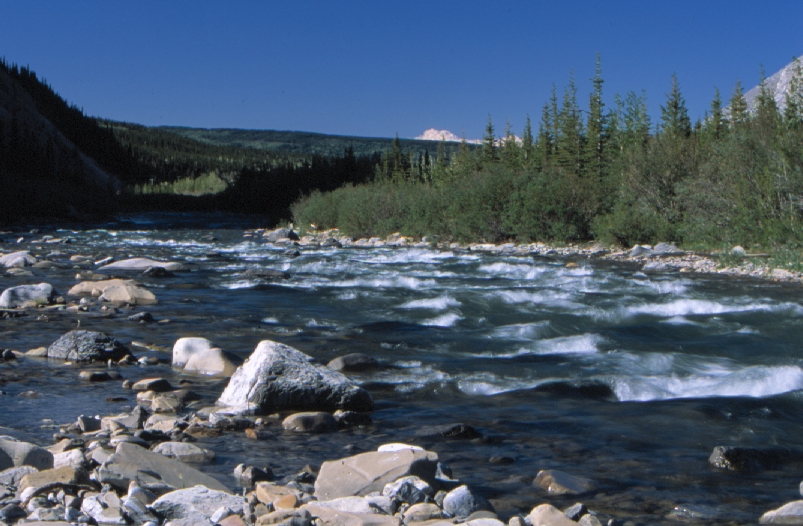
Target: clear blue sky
x,y
378,68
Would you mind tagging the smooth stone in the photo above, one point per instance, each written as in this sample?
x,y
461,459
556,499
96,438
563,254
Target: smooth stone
x,y
575,511
185,452
197,503
128,295
332,517
87,287
158,272
462,502
457,431
280,233
27,295
131,462
46,479
95,376
17,259
360,505
268,492
74,458
200,356
411,490
88,424
277,377
423,511
355,362
15,454
398,446
789,513
589,520
143,317
85,346
247,476
13,476
310,422
267,273
560,483
549,515
97,507
143,264
368,472
157,385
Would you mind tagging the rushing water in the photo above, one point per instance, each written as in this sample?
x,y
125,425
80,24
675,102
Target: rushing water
x,y
599,370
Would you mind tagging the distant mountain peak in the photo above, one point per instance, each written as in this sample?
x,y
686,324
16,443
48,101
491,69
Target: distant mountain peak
x,y
778,86
443,135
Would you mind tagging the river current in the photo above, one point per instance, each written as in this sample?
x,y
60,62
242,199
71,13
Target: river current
x,y
597,370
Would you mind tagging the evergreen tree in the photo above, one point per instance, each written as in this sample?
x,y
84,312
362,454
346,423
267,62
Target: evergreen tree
x,y
489,154
674,116
527,144
766,108
636,120
738,107
545,143
793,113
570,129
511,151
596,130
715,124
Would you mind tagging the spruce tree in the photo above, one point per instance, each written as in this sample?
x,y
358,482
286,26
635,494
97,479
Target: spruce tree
x,y
766,108
715,124
738,107
793,113
489,154
570,129
511,151
527,143
596,129
674,116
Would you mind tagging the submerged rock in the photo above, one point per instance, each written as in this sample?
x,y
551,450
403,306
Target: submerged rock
x,y
87,346
277,377
128,295
355,362
736,458
560,483
142,264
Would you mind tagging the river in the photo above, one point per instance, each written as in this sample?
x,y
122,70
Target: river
x,y
597,370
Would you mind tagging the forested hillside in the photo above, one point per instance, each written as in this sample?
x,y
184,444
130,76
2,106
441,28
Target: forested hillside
x,y
605,173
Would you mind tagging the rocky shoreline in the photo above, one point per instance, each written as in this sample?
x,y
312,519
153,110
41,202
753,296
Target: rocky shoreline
x,y
142,466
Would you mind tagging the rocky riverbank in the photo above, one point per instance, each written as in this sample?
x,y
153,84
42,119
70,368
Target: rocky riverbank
x,y
663,257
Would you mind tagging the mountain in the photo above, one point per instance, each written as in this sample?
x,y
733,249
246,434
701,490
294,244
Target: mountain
x,y
778,85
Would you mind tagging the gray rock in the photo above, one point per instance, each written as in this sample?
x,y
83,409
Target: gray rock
x,y
158,272
462,502
200,356
457,431
250,475
16,454
152,471
157,385
185,452
422,512
197,503
355,362
549,515
267,273
575,511
17,259
45,481
27,295
410,490
277,377
657,267
144,317
13,476
11,513
368,472
142,264
560,483
104,509
332,517
311,422
87,346
280,233
667,249
641,251
789,513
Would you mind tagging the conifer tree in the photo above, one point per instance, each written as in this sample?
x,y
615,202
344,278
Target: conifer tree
x,y
793,113
738,107
596,129
570,128
511,151
489,154
527,144
715,124
766,108
674,116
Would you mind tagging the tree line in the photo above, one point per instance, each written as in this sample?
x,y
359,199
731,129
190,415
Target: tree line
x,y
605,173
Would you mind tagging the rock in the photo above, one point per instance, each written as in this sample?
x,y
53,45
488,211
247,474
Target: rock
x,y
423,511
575,511
248,476
11,513
133,420
280,233
738,251
410,490
462,502
95,376
17,259
185,452
157,385
27,295
331,242
657,267
196,505
789,513
548,515
158,272
359,505
277,377
128,295
87,287
355,362
143,317
13,476
268,492
46,480
73,458
369,472
560,483
151,470
667,249
332,517
736,458
589,520
16,454
397,446
200,356
142,264
352,418
86,346
311,422
459,431
267,273
641,251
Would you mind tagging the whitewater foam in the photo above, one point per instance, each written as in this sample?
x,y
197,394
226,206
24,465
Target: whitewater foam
x,y
439,303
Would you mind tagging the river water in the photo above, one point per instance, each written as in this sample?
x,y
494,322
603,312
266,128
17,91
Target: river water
x,y
598,370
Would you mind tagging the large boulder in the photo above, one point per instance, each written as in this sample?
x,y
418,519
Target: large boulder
x,y
151,470
87,346
277,378
560,483
789,513
549,514
142,264
368,472
462,502
27,295
17,259
16,454
200,356
279,234
196,505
